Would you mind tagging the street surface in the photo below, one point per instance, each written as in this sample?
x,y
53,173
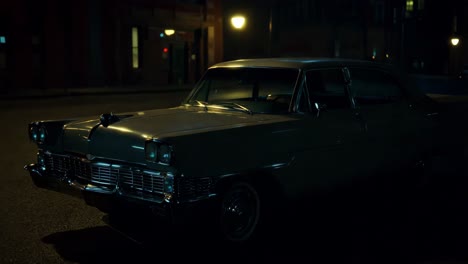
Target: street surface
x,y
39,226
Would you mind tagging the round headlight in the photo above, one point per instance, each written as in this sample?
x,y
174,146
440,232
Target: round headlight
x,y
34,133
42,134
150,151
165,153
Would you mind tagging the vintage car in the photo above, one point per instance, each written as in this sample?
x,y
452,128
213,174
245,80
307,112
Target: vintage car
x,y
253,136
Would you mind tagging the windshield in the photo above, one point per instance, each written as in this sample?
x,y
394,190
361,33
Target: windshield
x,y
260,90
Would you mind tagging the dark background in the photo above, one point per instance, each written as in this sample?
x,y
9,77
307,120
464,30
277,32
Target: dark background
x,y
54,44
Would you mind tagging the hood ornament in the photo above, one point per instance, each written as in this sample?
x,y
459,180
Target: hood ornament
x,y
108,119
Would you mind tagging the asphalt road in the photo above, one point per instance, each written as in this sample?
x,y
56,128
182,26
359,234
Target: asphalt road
x,y
39,226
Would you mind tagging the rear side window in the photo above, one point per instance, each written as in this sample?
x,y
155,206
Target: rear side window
x,y
374,87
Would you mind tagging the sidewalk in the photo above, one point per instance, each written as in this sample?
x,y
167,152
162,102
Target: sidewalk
x,y
80,91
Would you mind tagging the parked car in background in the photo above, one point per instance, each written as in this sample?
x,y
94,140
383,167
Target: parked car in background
x,y
254,138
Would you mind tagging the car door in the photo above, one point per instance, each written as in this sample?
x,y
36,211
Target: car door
x,y
397,131
328,134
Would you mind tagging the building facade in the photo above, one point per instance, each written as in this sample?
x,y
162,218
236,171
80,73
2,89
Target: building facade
x,y
59,44
414,34
429,26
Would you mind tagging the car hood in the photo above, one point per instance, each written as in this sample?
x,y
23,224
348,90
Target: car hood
x,y
125,139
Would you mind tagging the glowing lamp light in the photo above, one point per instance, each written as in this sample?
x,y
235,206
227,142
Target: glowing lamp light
x,y
455,41
169,32
238,22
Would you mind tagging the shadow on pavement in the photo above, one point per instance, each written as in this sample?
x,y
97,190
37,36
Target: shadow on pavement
x,y
424,239
429,227
97,244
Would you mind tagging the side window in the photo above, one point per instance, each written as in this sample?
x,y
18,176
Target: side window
x,y
327,87
371,87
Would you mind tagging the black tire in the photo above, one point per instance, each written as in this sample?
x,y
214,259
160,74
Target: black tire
x,y
240,212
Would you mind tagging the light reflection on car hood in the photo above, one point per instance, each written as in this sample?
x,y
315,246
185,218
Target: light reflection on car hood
x,y
126,138
182,120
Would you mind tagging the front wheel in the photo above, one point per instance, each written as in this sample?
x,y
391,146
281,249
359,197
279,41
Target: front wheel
x,y
240,212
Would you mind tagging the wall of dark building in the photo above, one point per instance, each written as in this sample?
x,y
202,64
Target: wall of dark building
x,y
428,33
417,40
55,44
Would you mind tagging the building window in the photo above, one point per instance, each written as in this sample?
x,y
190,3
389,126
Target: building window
x,y
135,54
409,5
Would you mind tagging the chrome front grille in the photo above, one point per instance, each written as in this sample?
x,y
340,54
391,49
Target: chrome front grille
x,y
61,165
65,164
133,181
103,173
141,180
129,179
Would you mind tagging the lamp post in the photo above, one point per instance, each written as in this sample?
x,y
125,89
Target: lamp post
x,y
169,32
238,22
454,41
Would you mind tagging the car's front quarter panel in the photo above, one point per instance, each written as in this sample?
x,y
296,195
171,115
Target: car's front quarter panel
x,y
233,150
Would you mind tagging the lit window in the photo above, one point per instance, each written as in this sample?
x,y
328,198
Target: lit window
x,y
409,5
135,62
2,39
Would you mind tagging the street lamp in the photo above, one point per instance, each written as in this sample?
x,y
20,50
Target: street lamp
x,y
238,22
169,32
454,41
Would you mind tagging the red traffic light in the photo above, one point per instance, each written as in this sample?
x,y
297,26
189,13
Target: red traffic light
x,y
165,50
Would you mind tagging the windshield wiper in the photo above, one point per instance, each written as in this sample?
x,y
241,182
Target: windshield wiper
x,y
201,103
230,105
236,106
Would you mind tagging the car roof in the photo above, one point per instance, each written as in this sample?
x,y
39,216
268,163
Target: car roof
x,y
296,63
311,63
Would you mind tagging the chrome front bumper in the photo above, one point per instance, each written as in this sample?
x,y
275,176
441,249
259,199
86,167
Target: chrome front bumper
x,y
100,197
63,184
102,183
108,199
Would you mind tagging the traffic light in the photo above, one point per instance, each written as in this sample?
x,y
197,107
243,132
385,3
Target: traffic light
x,y
165,53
